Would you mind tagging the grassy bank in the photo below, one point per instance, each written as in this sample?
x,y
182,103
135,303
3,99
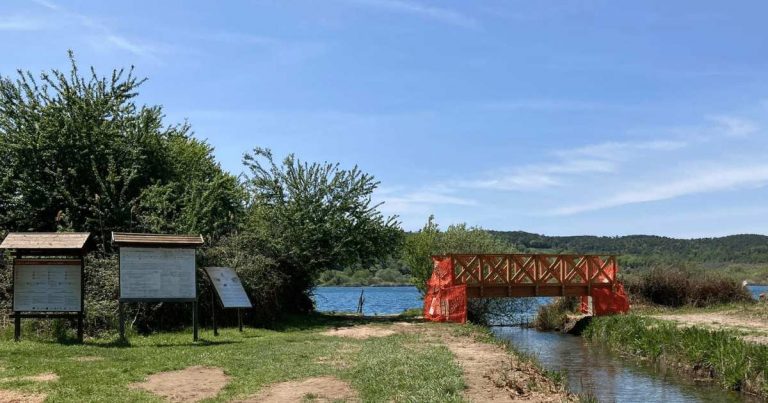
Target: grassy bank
x,y
718,354
388,368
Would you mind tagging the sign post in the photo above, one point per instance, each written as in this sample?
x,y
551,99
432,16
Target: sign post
x,y
231,294
48,279
157,268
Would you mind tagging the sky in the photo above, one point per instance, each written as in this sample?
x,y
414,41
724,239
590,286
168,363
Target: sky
x,y
555,117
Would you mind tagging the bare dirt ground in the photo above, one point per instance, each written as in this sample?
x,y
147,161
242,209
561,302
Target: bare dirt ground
x,y
187,385
46,377
360,332
491,373
755,329
87,358
12,396
320,389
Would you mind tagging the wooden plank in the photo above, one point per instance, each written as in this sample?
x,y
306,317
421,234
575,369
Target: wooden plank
x,y
46,240
530,290
125,239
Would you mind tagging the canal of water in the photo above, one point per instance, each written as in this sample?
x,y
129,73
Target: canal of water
x,y
589,368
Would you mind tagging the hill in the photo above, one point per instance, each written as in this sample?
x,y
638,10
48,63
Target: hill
x,y
646,250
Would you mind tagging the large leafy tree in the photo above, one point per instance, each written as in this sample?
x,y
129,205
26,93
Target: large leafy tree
x,y
314,217
78,153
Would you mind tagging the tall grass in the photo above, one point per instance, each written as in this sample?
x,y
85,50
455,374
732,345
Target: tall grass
x,y
732,362
679,286
552,316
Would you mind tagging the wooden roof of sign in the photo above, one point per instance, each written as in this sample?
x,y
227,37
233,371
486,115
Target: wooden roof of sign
x,y
46,240
129,239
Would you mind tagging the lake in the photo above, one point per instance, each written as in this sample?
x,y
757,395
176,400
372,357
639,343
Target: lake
x,y
378,300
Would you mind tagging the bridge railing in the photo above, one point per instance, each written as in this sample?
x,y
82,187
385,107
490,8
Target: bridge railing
x,y
487,275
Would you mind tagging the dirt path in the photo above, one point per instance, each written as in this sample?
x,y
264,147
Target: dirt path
x,y
491,373
756,329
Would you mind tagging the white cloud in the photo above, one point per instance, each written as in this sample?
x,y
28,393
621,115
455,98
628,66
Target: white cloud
x,y
539,176
100,34
548,105
703,181
612,150
20,23
443,15
734,126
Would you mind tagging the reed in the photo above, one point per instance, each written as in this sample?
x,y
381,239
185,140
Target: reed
x,y
719,354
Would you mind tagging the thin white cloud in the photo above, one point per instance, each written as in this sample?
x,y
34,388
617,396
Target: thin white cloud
x,y
539,176
611,150
548,105
20,23
439,14
102,35
711,180
734,126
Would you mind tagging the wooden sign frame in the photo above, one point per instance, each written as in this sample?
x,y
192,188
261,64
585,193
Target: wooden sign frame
x,y
51,247
159,241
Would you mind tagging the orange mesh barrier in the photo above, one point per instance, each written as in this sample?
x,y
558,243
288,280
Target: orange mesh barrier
x,y
444,300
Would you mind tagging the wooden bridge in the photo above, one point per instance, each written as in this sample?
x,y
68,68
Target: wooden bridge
x,y
533,275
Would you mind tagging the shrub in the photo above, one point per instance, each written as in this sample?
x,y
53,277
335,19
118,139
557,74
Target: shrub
x,y
678,286
552,316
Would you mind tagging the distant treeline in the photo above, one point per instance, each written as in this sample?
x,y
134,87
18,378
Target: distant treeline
x,y
638,251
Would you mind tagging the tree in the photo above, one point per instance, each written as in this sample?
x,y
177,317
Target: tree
x,y
78,154
458,238
314,217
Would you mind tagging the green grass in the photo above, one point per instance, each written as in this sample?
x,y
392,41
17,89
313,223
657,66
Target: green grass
x,y
395,368
737,365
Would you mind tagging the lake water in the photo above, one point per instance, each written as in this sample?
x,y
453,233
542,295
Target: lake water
x,y
756,290
378,300
588,367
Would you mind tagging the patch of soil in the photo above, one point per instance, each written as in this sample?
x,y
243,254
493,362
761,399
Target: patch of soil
x,y
360,332
320,389
493,375
187,385
723,320
88,358
11,396
46,377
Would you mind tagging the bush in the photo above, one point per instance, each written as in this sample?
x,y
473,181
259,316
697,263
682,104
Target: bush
x,y
552,316
679,286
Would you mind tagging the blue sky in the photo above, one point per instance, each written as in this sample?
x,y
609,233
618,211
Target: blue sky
x,y
584,117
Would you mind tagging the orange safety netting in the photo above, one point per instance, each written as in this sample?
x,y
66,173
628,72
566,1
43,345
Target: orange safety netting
x,y
445,301
605,301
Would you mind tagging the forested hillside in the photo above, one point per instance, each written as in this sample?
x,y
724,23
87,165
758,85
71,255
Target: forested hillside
x,y
647,250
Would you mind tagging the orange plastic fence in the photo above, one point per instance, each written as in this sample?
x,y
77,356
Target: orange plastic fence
x,y
445,302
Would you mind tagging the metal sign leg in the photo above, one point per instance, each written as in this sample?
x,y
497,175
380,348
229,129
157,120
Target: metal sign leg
x,y
80,327
122,320
194,322
213,315
240,319
17,328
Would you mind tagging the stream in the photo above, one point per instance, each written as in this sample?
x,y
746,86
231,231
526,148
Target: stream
x,y
589,368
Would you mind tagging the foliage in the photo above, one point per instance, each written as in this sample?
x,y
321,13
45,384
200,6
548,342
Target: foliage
x,y
79,154
736,364
313,217
645,251
458,238
676,286
389,272
552,316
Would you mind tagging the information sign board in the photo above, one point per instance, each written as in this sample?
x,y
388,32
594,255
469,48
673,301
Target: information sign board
x,y
42,285
148,273
229,287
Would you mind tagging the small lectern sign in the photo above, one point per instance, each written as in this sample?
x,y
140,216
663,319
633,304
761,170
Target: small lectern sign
x,y
228,286
157,274
41,285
